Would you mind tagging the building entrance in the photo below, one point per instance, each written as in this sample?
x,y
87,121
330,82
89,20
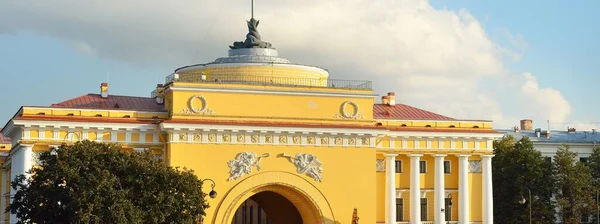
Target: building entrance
x,y
267,207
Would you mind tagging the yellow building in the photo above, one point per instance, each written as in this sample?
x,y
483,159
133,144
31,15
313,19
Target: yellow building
x,y
282,142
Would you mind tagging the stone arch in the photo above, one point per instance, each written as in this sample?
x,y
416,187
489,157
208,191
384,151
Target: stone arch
x,y
306,197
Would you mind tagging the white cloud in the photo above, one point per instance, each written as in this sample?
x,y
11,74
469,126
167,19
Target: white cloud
x,y
84,48
436,59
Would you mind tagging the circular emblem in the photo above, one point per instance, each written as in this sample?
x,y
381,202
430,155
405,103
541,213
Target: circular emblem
x,y
195,109
346,114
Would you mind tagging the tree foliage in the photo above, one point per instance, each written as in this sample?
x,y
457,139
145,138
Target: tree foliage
x,y
517,168
573,186
594,165
93,182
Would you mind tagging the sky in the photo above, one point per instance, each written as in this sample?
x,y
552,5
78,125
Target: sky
x,y
493,60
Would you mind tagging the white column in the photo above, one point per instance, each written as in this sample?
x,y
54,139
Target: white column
x,y
463,189
415,189
488,198
390,189
439,190
2,193
21,163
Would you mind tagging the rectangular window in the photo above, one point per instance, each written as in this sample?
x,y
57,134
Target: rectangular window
x,y
399,209
584,160
585,218
398,166
448,210
423,166
446,166
548,159
423,209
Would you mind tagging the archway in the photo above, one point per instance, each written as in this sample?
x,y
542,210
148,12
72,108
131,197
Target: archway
x,y
276,188
267,207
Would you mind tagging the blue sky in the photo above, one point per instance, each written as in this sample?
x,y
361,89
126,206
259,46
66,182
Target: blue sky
x,y
51,58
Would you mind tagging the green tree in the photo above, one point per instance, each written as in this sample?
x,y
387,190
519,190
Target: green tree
x,y
594,165
93,182
574,186
517,168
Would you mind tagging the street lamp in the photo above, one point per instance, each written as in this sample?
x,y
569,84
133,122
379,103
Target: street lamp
x,y
522,201
213,193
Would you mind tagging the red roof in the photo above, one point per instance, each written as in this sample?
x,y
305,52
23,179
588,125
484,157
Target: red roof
x,y
112,102
4,139
405,112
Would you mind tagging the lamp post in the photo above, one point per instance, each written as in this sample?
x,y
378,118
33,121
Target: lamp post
x,y
522,201
213,193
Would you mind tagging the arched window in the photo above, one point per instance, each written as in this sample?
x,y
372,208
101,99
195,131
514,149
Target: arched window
x,y
251,214
244,214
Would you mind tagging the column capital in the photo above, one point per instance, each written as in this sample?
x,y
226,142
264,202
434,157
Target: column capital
x,y
463,155
487,156
415,155
391,154
439,155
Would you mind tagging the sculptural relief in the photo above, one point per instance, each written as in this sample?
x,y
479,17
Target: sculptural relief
x,y
474,166
282,139
338,140
380,165
296,139
253,39
306,164
226,137
324,140
243,163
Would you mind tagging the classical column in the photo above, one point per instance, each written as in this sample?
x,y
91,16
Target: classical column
x,y
2,193
415,189
390,189
488,199
439,190
463,189
21,163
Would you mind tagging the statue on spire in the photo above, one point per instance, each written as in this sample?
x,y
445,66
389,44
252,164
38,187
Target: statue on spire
x,y
252,38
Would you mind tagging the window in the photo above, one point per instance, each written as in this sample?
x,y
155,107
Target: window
x,y
548,159
446,166
251,214
399,209
448,209
423,209
585,218
584,160
259,215
244,213
423,166
398,166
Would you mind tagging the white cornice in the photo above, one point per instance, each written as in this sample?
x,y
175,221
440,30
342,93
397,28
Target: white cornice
x,y
98,110
84,125
179,126
357,131
444,121
299,93
408,134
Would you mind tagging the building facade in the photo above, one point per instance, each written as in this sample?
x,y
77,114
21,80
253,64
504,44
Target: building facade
x,y
548,142
282,142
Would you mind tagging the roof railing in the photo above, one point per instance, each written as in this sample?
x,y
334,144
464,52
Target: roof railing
x,y
271,81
